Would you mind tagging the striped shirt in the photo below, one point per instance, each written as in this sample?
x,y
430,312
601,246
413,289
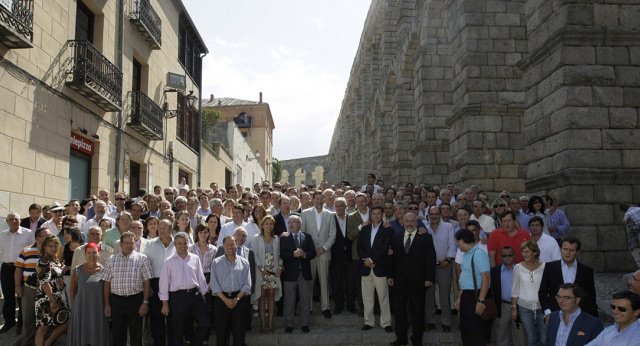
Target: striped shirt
x,y
127,273
206,258
27,260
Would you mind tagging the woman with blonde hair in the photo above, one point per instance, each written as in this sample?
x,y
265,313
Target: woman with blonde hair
x,y
183,224
228,208
266,248
295,203
524,294
498,207
51,301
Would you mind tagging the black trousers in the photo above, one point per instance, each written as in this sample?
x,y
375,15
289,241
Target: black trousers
x,y
355,273
472,327
9,292
230,320
415,297
160,324
343,284
125,316
184,305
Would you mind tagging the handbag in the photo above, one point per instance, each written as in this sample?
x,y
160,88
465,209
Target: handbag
x,y
490,310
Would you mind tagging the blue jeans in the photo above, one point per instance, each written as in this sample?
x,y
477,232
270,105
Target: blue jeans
x,y
534,327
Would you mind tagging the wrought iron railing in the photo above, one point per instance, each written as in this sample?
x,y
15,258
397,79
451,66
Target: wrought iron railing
x,y
91,68
19,18
146,116
141,11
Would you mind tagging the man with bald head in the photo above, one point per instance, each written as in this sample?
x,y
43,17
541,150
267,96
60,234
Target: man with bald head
x,y
95,236
103,195
100,209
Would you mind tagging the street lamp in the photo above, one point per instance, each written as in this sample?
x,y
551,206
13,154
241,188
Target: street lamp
x,y
257,156
190,100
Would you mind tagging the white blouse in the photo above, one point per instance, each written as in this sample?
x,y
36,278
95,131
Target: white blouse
x,y
526,284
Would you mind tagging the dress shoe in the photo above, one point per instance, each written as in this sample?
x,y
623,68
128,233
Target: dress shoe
x,y
454,312
327,313
388,329
446,329
288,330
305,329
5,328
439,312
429,327
367,327
398,343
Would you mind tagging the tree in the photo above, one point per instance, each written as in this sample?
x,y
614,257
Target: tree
x,y
277,169
210,119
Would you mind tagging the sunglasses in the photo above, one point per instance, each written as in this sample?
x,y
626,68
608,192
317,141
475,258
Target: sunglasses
x,y
168,193
93,199
57,211
413,208
120,199
499,206
507,256
620,308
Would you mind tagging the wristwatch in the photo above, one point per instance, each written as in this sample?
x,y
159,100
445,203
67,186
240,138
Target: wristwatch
x,y
145,302
481,301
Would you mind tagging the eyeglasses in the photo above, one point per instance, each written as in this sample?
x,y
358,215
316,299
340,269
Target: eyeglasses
x,y
499,206
57,211
168,193
505,196
564,297
120,199
93,199
507,256
620,308
531,276
413,208
265,185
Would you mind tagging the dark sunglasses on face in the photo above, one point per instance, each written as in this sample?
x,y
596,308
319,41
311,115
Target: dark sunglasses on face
x,y
168,193
120,199
620,308
413,208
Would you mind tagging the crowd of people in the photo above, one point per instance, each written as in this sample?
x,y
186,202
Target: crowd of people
x,y
184,260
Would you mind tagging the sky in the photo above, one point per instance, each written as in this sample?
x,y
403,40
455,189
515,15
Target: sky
x,y
297,53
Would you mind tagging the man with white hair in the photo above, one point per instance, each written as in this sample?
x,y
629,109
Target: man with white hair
x,y
329,200
12,241
100,213
103,195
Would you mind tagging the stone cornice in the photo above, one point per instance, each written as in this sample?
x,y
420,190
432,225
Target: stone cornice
x,y
492,109
583,176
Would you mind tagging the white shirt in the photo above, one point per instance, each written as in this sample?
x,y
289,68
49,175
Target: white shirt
x,y
526,289
52,227
365,218
228,229
486,222
252,231
376,187
374,231
81,220
343,225
549,249
318,218
11,244
93,222
157,254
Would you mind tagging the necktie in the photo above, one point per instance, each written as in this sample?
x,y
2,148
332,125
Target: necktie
x,y
239,251
295,237
407,244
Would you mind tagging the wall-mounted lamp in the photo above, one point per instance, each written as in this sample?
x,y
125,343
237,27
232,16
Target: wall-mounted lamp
x,y
83,130
257,156
191,101
95,135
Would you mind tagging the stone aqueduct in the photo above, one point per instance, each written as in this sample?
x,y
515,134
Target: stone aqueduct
x,y
519,95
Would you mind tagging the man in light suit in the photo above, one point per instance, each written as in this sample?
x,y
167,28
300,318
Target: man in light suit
x,y
356,220
316,222
583,327
140,243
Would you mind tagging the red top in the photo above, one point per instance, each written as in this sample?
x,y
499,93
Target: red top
x,y
499,239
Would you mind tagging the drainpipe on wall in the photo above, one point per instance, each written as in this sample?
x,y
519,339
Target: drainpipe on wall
x,y
119,58
200,121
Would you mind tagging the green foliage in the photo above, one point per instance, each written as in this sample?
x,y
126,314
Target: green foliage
x,y
210,119
277,169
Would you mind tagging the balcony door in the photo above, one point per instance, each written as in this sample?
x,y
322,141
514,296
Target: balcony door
x,y
84,23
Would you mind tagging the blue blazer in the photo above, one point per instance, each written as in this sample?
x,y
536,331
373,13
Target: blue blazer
x,y
293,265
378,252
586,325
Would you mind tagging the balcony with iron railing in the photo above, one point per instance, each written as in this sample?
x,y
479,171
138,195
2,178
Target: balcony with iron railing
x,y
147,21
16,23
93,76
146,116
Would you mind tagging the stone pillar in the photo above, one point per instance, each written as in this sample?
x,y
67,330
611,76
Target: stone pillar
x,y
582,85
487,39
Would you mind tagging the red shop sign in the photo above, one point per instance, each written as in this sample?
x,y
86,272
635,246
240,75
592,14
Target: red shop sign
x,y
79,143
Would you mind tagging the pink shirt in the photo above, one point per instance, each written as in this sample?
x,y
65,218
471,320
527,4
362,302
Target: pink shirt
x,y
181,274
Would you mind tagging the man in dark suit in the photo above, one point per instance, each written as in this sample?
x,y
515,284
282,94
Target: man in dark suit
x,y
567,271
282,218
507,330
341,272
35,219
297,251
241,237
410,270
373,249
584,328
154,208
